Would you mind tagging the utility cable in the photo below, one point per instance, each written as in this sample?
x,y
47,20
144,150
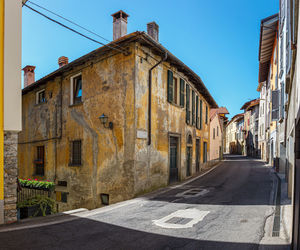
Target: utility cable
x,y
70,21
75,31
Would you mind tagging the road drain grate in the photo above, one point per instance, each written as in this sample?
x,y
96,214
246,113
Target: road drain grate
x,y
179,220
276,223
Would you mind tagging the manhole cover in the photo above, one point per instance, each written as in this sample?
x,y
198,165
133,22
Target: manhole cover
x,y
179,220
194,192
184,218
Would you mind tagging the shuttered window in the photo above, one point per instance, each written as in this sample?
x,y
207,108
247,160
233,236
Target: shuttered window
x,y
275,105
282,101
197,111
182,92
193,107
201,114
187,104
76,153
206,114
170,86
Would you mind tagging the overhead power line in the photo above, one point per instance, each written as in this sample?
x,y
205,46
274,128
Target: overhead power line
x,y
73,30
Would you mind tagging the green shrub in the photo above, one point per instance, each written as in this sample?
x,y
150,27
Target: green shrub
x,y
42,201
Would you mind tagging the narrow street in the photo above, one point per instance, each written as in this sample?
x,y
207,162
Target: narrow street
x,y
225,209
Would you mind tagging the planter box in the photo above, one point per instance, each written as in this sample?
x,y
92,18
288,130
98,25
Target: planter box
x,y
26,212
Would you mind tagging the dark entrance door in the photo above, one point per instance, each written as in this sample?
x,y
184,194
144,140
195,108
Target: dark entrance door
x,y
188,161
197,155
204,152
173,159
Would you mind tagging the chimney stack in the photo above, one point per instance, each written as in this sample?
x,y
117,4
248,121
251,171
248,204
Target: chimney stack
x,y
62,61
152,30
28,75
119,24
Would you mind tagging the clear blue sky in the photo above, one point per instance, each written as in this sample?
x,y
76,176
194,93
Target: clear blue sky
x,y
217,39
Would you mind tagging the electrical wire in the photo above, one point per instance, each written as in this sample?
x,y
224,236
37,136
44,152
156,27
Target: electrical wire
x,y
70,21
75,31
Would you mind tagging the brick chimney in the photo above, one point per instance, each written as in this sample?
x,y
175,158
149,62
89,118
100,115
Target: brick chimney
x,y
28,75
62,61
152,30
119,24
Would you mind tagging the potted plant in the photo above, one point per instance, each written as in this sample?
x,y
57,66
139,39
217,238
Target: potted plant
x,y
36,206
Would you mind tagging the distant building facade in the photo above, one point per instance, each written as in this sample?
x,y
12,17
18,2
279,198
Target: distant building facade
x,y
218,121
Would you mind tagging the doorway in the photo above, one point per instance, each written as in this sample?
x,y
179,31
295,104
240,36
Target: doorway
x,y
204,152
197,155
173,159
189,154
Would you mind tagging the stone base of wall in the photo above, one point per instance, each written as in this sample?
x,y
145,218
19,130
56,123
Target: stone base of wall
x,y
10,176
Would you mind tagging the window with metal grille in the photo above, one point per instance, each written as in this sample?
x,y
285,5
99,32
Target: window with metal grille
x,y
40,161
76,153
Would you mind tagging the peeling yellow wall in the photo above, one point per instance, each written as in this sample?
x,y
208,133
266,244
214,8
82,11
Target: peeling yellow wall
x,y
116,162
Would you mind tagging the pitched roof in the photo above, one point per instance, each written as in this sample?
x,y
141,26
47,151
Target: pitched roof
x,y
145,40
250,104
236,118
221,110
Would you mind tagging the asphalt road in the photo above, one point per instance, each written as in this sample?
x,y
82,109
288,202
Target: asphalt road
x,y
225,209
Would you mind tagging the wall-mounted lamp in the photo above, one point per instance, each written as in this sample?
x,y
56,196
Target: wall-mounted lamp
x,y
103,118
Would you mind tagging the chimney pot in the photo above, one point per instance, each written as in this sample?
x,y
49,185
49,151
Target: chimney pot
x,y
29,75
62,61
119,24
153,30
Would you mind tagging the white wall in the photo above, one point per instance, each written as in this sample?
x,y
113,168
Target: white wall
x,y
12,65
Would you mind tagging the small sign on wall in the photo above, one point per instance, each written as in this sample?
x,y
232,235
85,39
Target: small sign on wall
x,y
141,134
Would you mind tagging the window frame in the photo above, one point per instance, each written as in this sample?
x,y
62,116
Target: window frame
x,y
72,97
37,94
72,158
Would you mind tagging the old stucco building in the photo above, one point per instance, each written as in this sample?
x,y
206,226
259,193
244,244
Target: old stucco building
x,y
157,128
218,120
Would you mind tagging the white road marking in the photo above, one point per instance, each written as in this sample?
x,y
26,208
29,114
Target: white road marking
x,y
191,215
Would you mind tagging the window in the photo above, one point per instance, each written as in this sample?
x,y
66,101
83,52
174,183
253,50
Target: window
x,y
40,161
76,89
200,114
76,153
170,86
182,92
193,107
197,112
214,133
206,114
175,90
188,104
217,130
40,97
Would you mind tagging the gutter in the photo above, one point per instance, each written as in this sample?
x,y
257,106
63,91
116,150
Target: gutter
x,y
150,96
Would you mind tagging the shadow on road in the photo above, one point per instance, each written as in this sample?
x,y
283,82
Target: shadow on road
x,y
85,233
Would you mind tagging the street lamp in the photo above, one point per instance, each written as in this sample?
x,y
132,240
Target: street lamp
x,y
103,118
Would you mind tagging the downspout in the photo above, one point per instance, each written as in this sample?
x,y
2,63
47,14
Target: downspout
x,y
150,96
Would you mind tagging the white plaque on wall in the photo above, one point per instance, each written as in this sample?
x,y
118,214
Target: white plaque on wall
x,y
141,134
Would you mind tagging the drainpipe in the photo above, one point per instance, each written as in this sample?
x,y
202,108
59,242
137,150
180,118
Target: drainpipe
x,y
150,95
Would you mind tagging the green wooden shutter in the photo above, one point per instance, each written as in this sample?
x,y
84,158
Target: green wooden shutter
x,y
206,114
182,92
187,104
193,107
197,112
170,86
200,114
